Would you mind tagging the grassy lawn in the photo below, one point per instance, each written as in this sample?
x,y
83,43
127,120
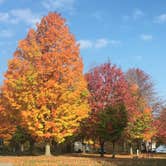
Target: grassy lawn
x,y
83,160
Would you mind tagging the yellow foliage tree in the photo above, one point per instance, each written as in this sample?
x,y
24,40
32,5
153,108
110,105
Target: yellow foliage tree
x,y
7,127
44,87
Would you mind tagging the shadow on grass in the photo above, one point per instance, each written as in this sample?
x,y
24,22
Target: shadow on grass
x,y
108,161
84,160
21,154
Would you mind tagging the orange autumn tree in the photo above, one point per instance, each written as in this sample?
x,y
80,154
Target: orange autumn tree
x,y
160,125
44,85
7,128
141,126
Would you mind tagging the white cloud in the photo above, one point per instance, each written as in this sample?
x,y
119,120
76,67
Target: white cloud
x,y
138,14
6,33
146,37
84,44
138,58
25,15
61,5
115,42
98,43
20,15
160,19
4,17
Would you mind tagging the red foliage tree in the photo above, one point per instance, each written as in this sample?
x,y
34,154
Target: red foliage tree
x,y
160,125
144,83
142,91
108,88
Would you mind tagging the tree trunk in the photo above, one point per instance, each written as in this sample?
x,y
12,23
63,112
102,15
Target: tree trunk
x,y
131,149
113,149
137,152
54,146
83,146
101,148
94,146
47,149
124,146
69,147
22,147
14,149
137,148
31,144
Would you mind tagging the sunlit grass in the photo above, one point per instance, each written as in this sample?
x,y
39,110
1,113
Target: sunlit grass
x,y
84,160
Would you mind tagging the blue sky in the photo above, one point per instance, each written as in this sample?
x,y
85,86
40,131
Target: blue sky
x,y
130,33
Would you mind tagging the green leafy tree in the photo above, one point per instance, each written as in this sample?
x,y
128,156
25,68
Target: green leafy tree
x,y
111,124
19,138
